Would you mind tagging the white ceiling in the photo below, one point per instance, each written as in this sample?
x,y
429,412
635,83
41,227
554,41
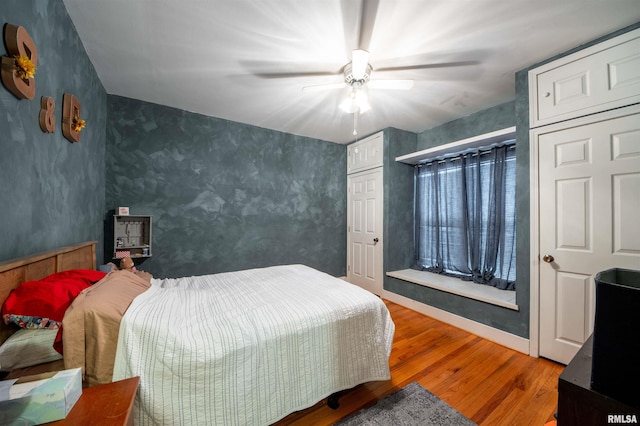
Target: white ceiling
x,y
211,56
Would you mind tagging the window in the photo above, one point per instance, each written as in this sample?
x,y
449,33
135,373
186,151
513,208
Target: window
x,y
465,216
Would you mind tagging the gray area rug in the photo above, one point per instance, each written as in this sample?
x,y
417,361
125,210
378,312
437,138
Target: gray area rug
x,y
410,406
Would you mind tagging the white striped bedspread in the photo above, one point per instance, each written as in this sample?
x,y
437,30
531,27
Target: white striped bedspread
x,y
249,347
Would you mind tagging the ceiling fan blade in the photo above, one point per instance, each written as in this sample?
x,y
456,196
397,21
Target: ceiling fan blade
x,y
368,13
429,66
321,87
270,75
359,62
391,84
273,70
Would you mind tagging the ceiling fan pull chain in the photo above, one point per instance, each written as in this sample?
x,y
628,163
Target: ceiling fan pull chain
x,y
355,124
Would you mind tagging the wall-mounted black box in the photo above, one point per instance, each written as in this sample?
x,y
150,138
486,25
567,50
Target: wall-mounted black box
x,y
615,371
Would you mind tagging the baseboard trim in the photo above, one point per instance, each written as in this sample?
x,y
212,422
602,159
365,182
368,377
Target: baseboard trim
x,y
503,338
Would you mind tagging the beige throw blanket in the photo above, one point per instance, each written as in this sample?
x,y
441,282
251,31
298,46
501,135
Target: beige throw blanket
x,y
92,322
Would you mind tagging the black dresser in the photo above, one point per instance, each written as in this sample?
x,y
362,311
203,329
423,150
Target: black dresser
x,y
580,405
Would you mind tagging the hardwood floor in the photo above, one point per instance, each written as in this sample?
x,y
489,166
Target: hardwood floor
x,y
488,383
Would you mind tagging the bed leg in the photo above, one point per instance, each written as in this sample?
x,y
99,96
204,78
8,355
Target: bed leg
x,y
332,401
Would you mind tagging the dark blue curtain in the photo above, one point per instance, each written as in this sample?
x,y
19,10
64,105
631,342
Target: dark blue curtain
x,y
465,216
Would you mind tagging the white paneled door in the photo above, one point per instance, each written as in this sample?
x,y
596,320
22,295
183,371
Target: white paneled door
x,y
364,230
589,205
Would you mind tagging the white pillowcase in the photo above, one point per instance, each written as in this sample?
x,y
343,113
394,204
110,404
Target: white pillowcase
x,y
28,347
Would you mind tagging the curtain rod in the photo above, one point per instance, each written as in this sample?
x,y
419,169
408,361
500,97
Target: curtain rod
x,y
510,145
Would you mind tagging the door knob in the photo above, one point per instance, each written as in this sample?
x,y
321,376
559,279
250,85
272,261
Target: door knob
x,y
375,240
548,258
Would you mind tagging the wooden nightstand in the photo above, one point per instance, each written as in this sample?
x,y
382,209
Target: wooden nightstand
x,y
108,404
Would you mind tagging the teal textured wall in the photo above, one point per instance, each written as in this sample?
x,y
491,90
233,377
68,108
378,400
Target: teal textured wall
x,y
398,203
223,195
485,121
51,190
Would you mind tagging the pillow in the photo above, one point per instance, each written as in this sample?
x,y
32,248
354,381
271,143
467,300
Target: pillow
x,y
28,347
32,323
108,267
42,304
88,275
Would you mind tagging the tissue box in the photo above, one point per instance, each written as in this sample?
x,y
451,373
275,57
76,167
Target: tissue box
x,y
41,398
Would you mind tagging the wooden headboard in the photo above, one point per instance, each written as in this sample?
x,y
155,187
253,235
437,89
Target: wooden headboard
x,y
29,268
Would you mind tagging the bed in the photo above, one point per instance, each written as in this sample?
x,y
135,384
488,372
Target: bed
x,y
246,347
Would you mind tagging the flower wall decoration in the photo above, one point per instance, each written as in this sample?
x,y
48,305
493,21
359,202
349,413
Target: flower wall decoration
x,y
25,68
78,124
72,124
18,70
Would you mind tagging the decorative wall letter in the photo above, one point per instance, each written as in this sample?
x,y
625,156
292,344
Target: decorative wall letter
x,y
19,68
46,118
71,121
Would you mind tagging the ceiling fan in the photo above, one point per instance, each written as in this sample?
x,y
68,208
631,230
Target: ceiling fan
x,y
357,76
357,73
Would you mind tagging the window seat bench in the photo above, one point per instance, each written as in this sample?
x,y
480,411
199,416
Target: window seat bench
x,y
483,293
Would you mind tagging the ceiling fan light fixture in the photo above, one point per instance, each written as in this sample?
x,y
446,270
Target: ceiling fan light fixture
x,y
356,101
363,107
351,107
348,106
362,100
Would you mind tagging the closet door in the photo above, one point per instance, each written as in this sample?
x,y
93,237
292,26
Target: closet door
x,y
365,154
598,78
589,202
364,213
364,230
